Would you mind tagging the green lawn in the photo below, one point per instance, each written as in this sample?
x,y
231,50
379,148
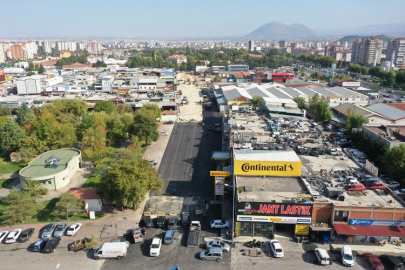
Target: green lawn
x,y
92,181
5,182
7,167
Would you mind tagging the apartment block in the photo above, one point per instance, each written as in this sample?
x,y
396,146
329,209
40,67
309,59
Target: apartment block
x,y
367,51
396,52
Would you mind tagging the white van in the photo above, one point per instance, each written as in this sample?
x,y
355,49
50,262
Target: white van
x,y
347,256
115,250
322,256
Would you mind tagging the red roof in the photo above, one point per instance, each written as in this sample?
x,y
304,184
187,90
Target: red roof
x,y
75,65
49,63
85,193
169,113
400,106
347,229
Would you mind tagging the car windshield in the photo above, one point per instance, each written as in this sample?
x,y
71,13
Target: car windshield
x,y
59,228
155,245
48,229
279,250
348,257
71,229
24,235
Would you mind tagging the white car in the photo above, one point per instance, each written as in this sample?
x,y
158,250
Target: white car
x,y
392,184
218,244
155,247
13,236
3,235
219,224
73,229
276,248
164,133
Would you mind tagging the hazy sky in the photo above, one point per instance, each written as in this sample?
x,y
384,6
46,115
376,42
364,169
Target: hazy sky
x,y
181,18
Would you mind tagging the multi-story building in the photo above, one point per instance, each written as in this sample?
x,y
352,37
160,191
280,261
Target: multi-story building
x,y
282,43
31,49
2,54
396,52
177,59
251,45
367,51
17,52
331,49
295,45
94,47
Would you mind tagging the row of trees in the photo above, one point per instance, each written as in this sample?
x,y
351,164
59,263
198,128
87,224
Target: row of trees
x,y
40,68
386,77
318,107
80,56
315,59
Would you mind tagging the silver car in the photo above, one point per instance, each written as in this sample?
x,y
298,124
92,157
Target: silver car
x,y
48,230
60,229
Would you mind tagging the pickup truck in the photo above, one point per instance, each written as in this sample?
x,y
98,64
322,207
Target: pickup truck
x,y
194,234
78,245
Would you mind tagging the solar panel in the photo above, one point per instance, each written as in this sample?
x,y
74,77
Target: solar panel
x,y
54,165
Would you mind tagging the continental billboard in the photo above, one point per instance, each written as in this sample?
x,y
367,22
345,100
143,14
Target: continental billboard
x,y
270,168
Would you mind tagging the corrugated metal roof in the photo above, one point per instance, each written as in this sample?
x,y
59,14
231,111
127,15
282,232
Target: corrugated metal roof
x,y
345,92
387,111
235,93
347,229
265,155
307,91
276,92
343,109
323,91
293,92
259,91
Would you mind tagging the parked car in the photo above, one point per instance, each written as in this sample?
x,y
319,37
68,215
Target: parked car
x,y
322,256
38,246
3,235
276,248
392,262
164,133
347,256
213,254
219,224
218,244
147,222
377,185
26,235
12,236
73,229
121,240
374,261
392,184
51,245
60,229
168,123
355,187
155,247
48,230
172,223
185,219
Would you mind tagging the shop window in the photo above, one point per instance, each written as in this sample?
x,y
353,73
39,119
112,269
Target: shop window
x,y
245,228
263,229
341,216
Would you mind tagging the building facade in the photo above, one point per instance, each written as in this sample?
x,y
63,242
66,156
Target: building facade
x,y
396,52
367,51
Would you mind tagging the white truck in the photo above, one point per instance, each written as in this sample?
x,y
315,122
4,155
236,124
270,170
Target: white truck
x,y
115,250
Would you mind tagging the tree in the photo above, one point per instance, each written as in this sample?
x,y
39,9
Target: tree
x,y
400,77
93,143
394,163
99,64
323,112
312,104
30,66
67,205
152,109
135,145
145,126
34,189
257,101
25,115
300,102
375,71
127,181
217,78
92,243
105,106
33,145
20,207
10,136
357,121
29,74
41,69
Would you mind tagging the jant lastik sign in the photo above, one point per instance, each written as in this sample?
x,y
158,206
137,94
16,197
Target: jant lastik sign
x,y
274,209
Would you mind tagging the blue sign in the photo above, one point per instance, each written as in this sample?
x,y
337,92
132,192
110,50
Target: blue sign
x,y
327,74
376,222
333,66
245,218
303,220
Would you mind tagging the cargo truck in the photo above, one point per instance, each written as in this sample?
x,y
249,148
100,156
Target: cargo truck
x,y
115,250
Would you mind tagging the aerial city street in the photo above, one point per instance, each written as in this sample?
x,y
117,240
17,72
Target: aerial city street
x,y
166,137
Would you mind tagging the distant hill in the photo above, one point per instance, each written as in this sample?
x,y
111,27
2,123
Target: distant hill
x,y
351,39
275,31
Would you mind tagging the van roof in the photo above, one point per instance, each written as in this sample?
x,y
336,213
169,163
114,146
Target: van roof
x,y
215,250
347,249
322,252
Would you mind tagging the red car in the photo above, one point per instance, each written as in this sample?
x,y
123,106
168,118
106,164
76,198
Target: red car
x,y
374,261
355,187
377,185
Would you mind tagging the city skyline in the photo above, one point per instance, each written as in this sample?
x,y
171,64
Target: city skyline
x,y
182,19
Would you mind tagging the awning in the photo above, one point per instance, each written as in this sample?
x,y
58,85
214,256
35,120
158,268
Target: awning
x,y
347,229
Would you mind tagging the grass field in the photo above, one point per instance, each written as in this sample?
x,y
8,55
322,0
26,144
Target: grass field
x,y
7,167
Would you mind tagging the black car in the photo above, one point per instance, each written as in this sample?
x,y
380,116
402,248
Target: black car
x,y
26,235
38,245
185,219
51,245
148,222
392,262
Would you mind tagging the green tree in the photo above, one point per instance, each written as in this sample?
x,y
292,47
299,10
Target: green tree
x,y
23,111
375,71
92,243
105,106
152,109
400,77
300,102
257,101
93,143
145,126
34,189
394,163
10,136
30,66
217,78
323,112
357,120
127,181
135,145
100,64
33,145
76,107
41,69
67,205
312,104
20,207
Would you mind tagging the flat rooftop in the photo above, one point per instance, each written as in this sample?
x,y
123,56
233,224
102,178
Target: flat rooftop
x,y
266,189
38,167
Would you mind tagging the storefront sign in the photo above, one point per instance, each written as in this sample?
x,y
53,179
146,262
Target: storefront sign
x,y
219,190
376,222
301,229
271,168
273,219
219,173
275,209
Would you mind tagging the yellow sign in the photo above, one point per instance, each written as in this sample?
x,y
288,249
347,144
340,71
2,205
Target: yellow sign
x,y
237,228
276,219
219,173
271,168
301,229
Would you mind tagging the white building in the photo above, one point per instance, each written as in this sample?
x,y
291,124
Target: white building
x,y
30,85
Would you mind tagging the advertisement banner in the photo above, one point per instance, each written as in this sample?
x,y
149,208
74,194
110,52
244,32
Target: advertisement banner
x,y
219,173
333,66
275,209
301,229
376,222
278,219
270,168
